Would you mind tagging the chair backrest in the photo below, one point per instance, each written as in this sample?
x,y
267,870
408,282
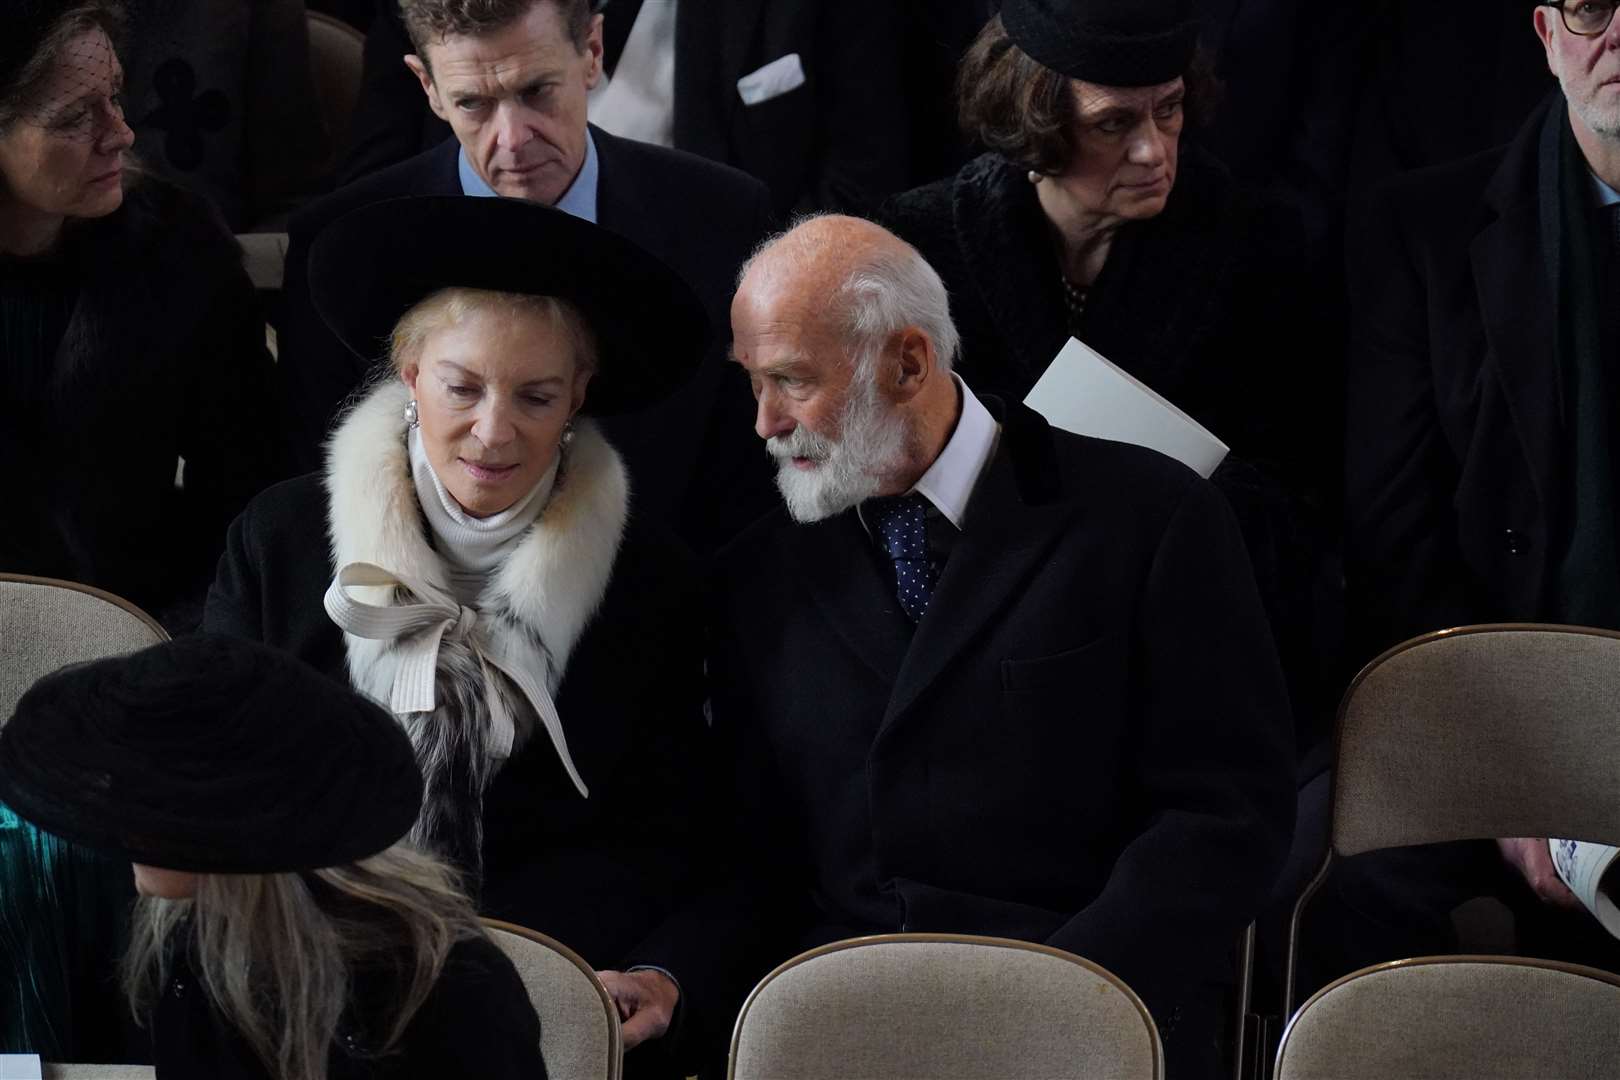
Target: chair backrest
x,y
579,1024
336,61
99,1072
944,1006
1458,1018
47,624
1479,732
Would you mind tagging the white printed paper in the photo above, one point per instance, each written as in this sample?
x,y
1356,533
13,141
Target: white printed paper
x,y
1585,869
773,80
1082,392
20,1067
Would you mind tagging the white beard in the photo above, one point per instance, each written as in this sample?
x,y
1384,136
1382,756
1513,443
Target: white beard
x,y
1604,119
871,447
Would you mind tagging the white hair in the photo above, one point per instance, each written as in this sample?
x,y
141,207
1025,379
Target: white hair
x,y
890,291
885,293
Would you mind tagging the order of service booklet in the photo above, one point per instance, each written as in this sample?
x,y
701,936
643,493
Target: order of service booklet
x,y
1586,868
1082,392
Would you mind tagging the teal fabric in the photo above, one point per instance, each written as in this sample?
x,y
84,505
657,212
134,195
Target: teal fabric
x,y
64,915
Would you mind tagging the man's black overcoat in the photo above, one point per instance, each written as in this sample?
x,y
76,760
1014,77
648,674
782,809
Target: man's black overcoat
x,y
1455,454
1086,741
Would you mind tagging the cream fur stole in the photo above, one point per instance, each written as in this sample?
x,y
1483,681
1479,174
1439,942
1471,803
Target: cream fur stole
x,y
546,593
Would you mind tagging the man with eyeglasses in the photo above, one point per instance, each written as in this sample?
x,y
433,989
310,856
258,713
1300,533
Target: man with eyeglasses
x,y
1483,414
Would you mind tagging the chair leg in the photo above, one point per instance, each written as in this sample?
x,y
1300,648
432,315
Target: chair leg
x,y
1243,1025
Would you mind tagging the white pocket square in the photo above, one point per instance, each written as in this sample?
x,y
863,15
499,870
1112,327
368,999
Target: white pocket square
x,y
773,80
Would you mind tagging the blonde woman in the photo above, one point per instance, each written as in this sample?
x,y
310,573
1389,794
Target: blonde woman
x,y
471,557
281,931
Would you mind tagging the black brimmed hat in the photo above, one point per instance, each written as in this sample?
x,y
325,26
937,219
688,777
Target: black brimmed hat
x,y
210,755
371,266
1107,42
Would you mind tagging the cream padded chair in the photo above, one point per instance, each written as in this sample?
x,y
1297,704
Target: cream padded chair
x,y
1475,733
47,624
579,1024
336,63
99,1072
945,1007
1458,1018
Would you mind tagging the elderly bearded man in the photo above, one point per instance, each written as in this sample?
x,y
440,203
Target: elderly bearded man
x,y
512,78
979,676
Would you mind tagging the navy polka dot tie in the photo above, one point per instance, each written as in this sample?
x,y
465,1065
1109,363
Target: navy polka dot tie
x,y
899,524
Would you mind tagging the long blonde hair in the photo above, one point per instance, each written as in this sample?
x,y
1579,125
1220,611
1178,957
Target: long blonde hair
x,y
276,953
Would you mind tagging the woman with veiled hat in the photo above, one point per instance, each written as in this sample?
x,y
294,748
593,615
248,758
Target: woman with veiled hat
x,y
283,931
471,557
131,340
1094,216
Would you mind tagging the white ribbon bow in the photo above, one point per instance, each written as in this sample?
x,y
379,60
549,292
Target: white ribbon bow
x,y
418,630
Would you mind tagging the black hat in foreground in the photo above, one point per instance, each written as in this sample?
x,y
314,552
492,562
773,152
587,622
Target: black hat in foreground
x,y
371,266
211,755
1107,42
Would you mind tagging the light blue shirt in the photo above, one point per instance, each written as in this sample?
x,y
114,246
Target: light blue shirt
x,y
1606,195
579,200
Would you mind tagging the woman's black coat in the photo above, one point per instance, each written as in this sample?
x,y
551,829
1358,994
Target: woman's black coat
x,y
1203,304
162,357
597,873
476,1022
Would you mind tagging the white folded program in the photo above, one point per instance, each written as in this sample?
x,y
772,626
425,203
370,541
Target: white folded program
x,y
1084,393
21,1067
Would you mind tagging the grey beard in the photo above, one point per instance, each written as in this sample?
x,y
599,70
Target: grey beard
x,y
871,446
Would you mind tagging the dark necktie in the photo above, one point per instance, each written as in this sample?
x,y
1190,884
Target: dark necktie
x,y
900,525
1614,224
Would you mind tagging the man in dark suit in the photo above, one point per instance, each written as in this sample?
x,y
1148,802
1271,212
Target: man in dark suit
x,y
515,95
980,675
806,95
1481,478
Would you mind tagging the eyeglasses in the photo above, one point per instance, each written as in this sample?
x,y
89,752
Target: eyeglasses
x,y
1588,18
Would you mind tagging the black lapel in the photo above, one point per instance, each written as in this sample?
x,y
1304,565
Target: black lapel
x,y
617,19
1009,256
1014,518
1517,303
835,560
621,199
442,168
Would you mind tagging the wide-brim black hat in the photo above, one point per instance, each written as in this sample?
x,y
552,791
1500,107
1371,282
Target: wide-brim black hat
x,y
371,266
1107,42
210,755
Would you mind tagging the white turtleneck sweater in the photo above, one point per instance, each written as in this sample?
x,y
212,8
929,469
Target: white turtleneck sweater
x,y
472,548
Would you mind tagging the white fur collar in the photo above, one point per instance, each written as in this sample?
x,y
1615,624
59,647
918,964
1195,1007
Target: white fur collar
x,y
554,580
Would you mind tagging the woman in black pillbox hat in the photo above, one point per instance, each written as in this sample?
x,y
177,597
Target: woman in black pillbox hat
x,y
282,931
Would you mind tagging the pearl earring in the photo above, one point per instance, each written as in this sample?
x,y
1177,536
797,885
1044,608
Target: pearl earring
x,y
1034,177
411,417
568,433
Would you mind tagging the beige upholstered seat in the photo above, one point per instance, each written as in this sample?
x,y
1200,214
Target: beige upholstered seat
x,y
579,1024
47,624
1458,1018
336,62
1476,733
99,1072
944,1007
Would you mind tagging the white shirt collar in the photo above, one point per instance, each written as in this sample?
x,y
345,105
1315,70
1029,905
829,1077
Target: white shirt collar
x,y
950,480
